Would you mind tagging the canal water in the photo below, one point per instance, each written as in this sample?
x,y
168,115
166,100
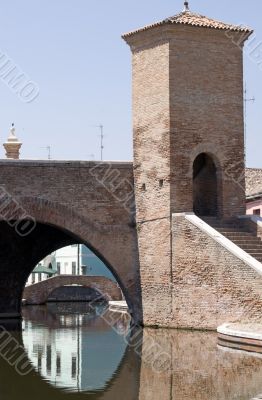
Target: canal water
x,y
79,351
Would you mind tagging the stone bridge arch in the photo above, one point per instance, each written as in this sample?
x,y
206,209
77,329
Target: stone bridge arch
x,y
39,293
58,225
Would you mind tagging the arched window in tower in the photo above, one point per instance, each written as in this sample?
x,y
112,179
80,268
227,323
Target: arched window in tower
x,y
205,186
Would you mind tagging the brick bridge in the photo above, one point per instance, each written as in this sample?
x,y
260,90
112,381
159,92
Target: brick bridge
x,y
40,292
147,219
65,203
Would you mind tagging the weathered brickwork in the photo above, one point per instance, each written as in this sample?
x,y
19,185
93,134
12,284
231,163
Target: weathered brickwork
x,y
253,181
85,202
187,100
211,285
152,169
206,102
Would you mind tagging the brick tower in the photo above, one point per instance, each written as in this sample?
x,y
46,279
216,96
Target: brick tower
x,y
188,138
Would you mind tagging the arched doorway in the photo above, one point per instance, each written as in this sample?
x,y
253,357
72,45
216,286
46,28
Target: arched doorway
x,y
205,186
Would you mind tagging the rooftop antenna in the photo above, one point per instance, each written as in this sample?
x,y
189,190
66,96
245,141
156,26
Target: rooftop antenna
x,y
102,136
101,141
48,148
246,100
186,6
101,127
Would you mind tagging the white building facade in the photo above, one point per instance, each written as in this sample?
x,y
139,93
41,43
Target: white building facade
x,y
76,259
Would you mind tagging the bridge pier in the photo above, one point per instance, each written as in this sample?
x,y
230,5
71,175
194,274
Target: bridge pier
x,y
11,288
10,303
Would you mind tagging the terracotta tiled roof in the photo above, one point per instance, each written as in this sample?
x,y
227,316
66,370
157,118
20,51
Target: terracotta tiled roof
x,y
193,19
253,181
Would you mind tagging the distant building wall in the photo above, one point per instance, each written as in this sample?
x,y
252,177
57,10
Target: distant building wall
x,y
254,207
71,260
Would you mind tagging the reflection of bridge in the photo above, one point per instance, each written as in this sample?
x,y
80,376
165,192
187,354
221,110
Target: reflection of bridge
x,y
101,286
197,369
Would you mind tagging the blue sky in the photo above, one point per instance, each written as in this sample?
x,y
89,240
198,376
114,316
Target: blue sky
x,y
74,52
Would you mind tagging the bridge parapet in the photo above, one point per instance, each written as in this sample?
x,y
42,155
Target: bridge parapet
x,y
39,293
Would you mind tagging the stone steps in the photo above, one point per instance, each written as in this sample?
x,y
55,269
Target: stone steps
x,y
235,232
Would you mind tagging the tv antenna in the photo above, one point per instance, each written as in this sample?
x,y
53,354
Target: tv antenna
x,y
246,100
48,148
101,127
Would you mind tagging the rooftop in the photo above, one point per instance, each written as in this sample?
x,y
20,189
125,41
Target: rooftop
x,y
253,182
193,19
43,270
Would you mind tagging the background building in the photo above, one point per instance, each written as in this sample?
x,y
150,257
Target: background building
x,y
254,191
44,270
76,259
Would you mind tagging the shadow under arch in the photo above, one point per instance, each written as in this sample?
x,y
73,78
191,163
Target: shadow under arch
x,y
207,185
58,226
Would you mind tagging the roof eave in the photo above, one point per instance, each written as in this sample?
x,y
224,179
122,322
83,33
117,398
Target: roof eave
x,y
236,29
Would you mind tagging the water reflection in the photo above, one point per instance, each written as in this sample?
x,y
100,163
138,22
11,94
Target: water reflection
x,y
71,346
75,354
199,369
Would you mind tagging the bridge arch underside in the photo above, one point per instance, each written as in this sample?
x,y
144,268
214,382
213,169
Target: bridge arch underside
x,y
77,293
20,254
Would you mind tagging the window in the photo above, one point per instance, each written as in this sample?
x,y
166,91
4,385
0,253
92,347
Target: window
x,y
161,183
144,187
84,269
39,277
48,359
257,211
73,367
58,364
73,268
58,267
66,268
39,361
33,278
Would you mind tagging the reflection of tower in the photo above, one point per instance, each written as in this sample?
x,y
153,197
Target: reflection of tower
x,y
12,145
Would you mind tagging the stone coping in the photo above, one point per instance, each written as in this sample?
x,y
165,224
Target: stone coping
x,y
241,330
222,240
62,163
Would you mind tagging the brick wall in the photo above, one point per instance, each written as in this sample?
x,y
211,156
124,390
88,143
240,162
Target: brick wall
x,y
151,118
206,103
211,285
